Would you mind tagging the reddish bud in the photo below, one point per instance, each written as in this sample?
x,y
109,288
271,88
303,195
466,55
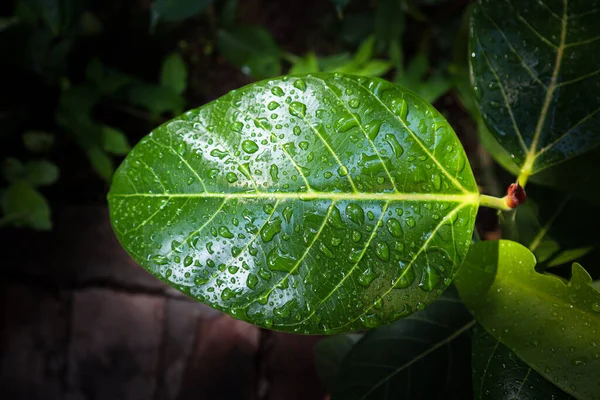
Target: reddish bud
x,y
515,195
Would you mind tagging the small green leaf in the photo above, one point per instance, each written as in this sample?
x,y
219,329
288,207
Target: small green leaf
x,y
374,68
177,10
536,75
37,141
101,163
12,169
251,48
330,353
27,205
314,204
114,141
40,173
389,23
498,373
425,356
549,323
306,65
155,98
174,73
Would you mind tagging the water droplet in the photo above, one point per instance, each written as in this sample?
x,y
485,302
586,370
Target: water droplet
x,y
187,261
218,153
225,232
345,123
297,130
227,294
366,277
300,84
160,259
395,145
405,278
342,170
231,177
277,261
264,274
237,126
326,250
437,182
251,281
249,146
271,228
355,213
287,213
372,129
277,91
335,219
303,145
327,174
370,321
596,307
382,251
410,222
273,105
354,103
356,236
297,109
393,226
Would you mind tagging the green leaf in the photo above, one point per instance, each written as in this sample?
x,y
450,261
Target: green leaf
x,y
330,353
155,98
174,73
101,162
114,141
425,356
27,205
374,68
551,225
549,323
251,48
40,173
499,374
177,10
389,23
536,75
12,169
306,65
315,204
37,141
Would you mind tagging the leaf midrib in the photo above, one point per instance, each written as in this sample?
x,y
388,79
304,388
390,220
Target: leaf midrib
x,y
469,198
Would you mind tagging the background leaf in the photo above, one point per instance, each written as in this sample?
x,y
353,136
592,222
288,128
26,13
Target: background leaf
x,y
114,141
551,324
536,75
27,205
174,73
245,205
330,353
498,374
177,10
251,48
424,356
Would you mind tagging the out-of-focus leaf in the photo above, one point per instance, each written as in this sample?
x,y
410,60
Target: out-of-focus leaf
x,y
334,62
177,10
90,24
424,356
27,207
330,353
356,27
365,51
114,141
374,68
155,98
101,163
252,49
12,169
38,141
306,65
549,323
498,374
174,73
389,23
40,173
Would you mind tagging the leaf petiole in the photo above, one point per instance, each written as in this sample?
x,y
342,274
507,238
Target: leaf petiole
x,y
498,203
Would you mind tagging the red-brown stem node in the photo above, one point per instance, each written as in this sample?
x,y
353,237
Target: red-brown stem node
x,y
515,195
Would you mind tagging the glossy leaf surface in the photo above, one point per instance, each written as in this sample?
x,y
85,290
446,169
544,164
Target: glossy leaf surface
x,y
549,323
498,374
311,204
536,68
425,356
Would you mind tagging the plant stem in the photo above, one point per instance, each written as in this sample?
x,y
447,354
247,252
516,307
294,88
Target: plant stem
x,y
499,203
